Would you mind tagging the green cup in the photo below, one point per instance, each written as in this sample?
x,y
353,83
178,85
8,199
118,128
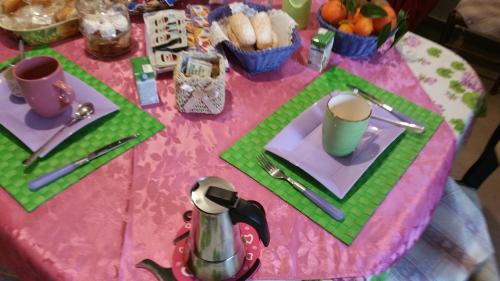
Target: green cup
x,y
299,10
345,121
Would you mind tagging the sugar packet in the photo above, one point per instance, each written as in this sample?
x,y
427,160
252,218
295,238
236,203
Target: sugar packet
x,y
199,68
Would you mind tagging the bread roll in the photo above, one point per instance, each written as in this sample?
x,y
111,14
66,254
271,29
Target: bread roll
x,y
275,39
263,32
248,48
242,29
232,37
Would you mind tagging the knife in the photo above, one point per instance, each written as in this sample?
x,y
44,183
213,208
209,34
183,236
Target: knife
x,y
415,128
401,116
60,172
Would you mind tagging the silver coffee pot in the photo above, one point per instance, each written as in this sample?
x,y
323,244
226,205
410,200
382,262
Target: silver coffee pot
x,y
216,250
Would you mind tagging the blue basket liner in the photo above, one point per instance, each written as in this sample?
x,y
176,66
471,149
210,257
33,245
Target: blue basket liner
x,y
351,45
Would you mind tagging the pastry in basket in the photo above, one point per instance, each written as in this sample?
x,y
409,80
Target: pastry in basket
x,y
18,15
241,32
263,32
275,39
11,6
253,33
261,39
66,12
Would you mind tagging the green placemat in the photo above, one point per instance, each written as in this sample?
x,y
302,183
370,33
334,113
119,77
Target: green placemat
x,y
128,120
369,191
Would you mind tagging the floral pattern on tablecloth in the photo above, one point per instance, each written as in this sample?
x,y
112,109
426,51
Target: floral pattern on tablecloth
x,y
448,79
85,233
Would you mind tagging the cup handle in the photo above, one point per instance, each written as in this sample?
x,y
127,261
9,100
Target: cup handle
x,y
66,93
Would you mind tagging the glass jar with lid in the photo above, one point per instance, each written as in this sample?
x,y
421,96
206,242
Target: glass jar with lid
x,y
105,24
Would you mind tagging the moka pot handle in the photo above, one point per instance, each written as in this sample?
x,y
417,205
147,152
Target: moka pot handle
x,y
240,210
251,213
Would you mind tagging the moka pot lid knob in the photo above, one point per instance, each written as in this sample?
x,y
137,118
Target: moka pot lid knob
x,y
200,200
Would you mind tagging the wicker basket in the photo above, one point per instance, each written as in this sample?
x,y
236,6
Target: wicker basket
x,y
257,61
196,94
351,45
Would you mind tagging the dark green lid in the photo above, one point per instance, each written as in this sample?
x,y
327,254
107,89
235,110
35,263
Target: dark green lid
x,y
141,66
322,38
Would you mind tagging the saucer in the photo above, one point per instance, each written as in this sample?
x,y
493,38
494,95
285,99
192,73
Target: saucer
x,y
300,143
180,257
34,130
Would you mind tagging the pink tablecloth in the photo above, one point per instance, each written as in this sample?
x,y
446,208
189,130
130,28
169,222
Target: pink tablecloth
x,y
131,208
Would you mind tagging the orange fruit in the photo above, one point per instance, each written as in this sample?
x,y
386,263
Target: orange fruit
x,y
378,24
363,26
346,21
356,15
333,12
346,27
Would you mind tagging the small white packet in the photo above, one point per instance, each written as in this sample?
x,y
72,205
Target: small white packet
x,y
198,67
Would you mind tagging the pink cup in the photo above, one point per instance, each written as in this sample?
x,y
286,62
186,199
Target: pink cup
x,y
43,85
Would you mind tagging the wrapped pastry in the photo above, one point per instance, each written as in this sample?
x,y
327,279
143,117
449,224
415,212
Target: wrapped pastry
x,y
263,32
45,3
65,13
10,6
275,39
232,37
242,30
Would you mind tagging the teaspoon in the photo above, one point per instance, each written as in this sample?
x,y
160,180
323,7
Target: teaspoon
x,y
83,111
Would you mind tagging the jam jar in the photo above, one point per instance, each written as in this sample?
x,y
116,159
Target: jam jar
x,y
105,25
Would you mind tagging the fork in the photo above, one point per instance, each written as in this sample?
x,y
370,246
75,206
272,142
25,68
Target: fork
x,y
276,173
